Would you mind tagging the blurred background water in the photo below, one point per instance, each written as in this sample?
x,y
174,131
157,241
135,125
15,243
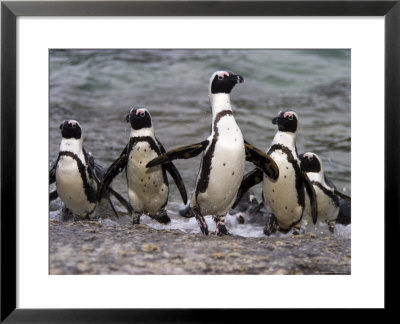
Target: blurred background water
x,y
99,87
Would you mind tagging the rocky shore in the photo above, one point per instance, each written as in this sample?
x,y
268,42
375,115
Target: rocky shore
x,y
88,247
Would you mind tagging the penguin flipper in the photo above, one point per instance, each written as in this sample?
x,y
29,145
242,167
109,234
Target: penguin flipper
x,y
52,174
112,207
249,180
115,168
261,160
184,152
89,158
313,198
121,199
173,171
344,216
257,209
342,195
53,195
329,182
99,171
91,166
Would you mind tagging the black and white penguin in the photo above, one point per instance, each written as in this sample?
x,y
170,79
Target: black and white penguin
x,y
224,153
286,194
328,198
147,188
76,174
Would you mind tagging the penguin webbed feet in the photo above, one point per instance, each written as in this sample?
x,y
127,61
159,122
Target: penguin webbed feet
x,y
67,215
136,218
331,226
220,228
296,230
199,218
271,226
161,217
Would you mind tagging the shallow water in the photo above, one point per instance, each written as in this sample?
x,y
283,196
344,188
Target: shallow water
x,y
99,87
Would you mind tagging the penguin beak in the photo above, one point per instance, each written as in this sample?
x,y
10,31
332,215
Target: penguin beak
x,y
236,78
277,119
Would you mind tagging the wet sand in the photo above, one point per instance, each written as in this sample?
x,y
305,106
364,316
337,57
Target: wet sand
x,y
87,247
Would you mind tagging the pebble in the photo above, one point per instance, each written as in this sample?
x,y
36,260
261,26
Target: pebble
x,y
148,247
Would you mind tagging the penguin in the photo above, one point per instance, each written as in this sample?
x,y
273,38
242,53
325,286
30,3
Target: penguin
x,y
248,208
285,195
223,160
148,189
76,175
328,198
344,216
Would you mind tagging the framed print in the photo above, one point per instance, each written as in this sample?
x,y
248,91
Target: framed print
x,y
337,63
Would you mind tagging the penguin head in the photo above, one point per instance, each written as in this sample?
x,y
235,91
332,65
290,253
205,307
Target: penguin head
x,y
139,118
223,82
71,129
286,121
310,162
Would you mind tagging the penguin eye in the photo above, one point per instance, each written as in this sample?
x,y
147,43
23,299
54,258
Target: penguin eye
x,y
290,117
310,158
220,77
142,114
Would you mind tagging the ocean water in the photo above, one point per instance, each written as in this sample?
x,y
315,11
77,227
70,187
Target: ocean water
x,y
99,87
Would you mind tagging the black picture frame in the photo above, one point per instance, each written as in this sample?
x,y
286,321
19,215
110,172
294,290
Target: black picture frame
x,y
10,10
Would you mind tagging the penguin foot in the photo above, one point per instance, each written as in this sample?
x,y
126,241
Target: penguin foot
x,y
164,219
200,220
296,231
161,217
271,226
221,230
135,219
331,225
202,223
66,214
